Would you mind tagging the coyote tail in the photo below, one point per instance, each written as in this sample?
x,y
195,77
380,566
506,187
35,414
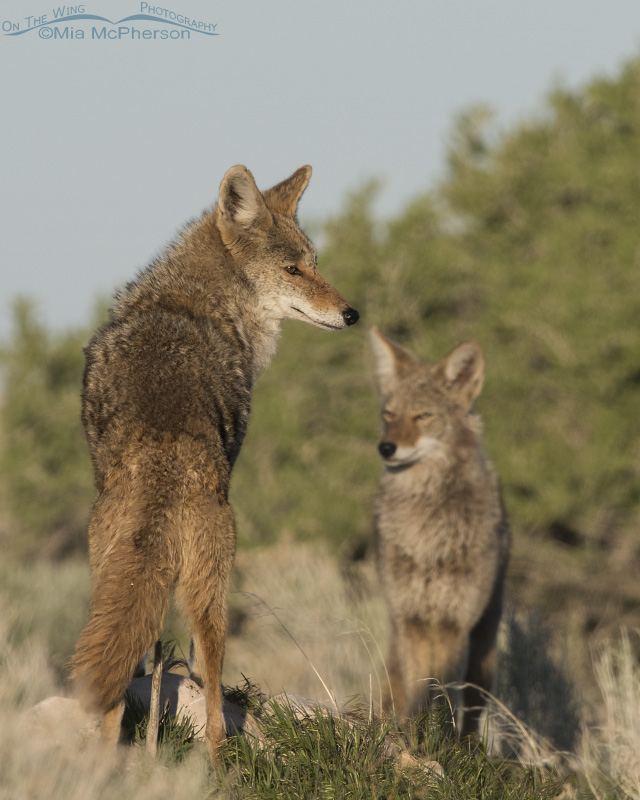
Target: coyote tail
x,y
127,612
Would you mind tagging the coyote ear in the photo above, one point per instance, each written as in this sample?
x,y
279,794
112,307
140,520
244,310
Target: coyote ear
x,y
462,372
240,205
392,360
285,196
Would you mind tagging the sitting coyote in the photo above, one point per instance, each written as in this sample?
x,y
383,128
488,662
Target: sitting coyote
x,y
443,537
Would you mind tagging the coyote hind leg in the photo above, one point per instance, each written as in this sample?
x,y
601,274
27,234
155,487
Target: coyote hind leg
x,y
111,724
202,596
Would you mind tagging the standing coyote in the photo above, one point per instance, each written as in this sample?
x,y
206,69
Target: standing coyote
x,y
443,537
167,390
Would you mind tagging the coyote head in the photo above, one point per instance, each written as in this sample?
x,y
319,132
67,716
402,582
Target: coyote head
x,y
262,237
425,409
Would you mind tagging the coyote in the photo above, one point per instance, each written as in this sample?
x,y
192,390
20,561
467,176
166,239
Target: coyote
x,y
166,397
443,537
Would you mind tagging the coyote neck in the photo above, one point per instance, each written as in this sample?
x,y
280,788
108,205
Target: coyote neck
x,y
260,336
429,509
440,478
196,277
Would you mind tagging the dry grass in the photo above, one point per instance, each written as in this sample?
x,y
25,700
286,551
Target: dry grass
x,y
611,750
39,764
307,628
42,608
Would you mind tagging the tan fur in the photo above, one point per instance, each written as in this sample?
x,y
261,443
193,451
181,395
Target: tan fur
x,y
166,400
443,537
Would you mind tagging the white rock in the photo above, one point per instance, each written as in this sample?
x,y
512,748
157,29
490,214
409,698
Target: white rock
x,y
186,698
63,720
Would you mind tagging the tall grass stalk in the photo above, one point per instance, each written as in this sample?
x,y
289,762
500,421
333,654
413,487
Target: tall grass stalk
x,y
611,750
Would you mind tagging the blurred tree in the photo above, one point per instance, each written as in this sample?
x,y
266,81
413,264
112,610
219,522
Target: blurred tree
x,y
531,243
44,465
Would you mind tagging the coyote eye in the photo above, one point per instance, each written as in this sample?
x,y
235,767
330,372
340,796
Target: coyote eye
x,y
293,270
424,415
386,414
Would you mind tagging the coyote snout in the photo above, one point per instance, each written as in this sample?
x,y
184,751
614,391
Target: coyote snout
x,y
387,449
350,316
443,537
311,299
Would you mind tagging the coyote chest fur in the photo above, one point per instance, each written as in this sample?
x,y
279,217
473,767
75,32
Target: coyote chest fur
x,y
166,399
442,533
438,540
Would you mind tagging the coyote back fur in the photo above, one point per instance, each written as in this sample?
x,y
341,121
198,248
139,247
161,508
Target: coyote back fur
x,y
443,537
167,389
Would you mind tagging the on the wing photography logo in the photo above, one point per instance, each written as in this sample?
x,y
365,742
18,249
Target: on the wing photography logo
x,y
65,23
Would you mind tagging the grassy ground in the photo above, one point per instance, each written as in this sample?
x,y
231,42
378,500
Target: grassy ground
x,y
302,624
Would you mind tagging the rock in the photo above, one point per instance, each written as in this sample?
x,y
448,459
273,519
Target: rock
x,y
405,759
186,698
63,720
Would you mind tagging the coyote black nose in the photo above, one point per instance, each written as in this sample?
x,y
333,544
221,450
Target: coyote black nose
x,y
387,449
350,316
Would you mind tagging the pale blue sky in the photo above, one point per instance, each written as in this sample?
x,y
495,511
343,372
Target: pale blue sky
x,y
110,146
